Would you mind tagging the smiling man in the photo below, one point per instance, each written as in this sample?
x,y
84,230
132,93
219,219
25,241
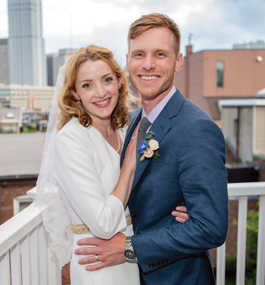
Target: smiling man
x,y
189,170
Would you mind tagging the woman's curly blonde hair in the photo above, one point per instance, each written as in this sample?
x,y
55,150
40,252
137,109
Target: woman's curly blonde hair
x,y
70,107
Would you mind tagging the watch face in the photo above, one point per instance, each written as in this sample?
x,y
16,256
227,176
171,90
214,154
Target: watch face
x,y
129,254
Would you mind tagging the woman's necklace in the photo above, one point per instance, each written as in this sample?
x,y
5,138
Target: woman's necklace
x,y
117,137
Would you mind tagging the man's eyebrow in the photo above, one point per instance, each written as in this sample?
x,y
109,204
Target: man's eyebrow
x,y
163,50
136,50
155,51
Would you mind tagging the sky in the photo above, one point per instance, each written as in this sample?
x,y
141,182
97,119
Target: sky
x,y
213,24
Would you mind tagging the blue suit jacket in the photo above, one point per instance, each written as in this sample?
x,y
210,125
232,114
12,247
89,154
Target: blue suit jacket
x,y
190,171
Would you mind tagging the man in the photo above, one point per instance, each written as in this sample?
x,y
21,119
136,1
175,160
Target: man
x,y
189,170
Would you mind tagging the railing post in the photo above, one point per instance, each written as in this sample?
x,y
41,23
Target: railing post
x,y
5,269
220,265
15,264
25,260
34,256
261,243
43,249
54,272
241,240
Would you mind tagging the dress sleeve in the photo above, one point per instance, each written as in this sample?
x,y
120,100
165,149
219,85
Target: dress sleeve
x,y
77,177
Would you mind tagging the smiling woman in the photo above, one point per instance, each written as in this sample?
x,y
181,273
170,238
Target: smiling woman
x,y
97,88
90,75
86,192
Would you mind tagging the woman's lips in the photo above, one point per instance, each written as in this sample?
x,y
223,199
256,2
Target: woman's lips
x,y
102,104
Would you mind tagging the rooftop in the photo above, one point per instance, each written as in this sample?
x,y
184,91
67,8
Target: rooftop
x,y
21,154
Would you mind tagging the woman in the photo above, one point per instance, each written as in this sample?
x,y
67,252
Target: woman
x,y
83,164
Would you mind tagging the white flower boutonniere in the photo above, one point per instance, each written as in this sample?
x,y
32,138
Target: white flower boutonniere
x,y
148,147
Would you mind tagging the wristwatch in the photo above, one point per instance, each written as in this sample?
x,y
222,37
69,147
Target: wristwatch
x,y
128,250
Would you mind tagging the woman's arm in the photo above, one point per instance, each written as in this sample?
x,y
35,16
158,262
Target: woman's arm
x,y
77,166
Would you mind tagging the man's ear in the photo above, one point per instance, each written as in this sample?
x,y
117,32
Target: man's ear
x,y
127,58
179,62
75,95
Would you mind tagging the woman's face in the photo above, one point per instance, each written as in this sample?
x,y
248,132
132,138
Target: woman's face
x,y
97,87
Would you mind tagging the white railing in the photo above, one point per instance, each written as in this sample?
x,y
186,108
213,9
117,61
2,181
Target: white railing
x,y
25,258
243,190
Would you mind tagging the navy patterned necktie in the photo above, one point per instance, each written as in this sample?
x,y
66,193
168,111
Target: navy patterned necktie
x,y
144,125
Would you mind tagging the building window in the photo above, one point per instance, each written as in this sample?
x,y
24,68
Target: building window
x,y
220,73
20,203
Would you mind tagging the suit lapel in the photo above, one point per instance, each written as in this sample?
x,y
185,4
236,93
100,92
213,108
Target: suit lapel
x,y
160,128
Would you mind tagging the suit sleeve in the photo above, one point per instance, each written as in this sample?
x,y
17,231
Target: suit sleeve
x,y
203,182
77,177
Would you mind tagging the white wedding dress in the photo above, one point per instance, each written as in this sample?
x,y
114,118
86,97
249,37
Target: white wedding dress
x,y
87,170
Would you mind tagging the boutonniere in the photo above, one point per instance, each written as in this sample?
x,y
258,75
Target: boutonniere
x,y
149,147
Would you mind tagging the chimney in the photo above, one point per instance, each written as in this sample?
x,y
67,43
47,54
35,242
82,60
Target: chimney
x,y
188,49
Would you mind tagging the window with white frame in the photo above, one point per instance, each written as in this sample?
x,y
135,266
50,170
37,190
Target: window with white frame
x,y
20,203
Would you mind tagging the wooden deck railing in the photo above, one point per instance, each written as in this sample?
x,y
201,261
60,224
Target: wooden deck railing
x,y
243,191
26,259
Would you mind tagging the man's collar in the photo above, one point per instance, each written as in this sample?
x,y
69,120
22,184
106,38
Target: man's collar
x,y
159,107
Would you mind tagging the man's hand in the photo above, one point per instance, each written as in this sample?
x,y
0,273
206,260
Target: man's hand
x,y
181,214
109,252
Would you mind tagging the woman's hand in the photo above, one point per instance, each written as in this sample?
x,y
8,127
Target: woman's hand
x,y
181,214
130,153
124,186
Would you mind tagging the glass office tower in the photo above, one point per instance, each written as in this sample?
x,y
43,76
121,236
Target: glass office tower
x,y
27,61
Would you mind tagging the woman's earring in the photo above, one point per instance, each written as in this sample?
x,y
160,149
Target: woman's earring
x,y
79,102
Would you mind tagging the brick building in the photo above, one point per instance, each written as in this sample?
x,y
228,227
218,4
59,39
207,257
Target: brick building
x,y
210,75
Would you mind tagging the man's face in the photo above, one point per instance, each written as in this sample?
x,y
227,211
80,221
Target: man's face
x,y
152,61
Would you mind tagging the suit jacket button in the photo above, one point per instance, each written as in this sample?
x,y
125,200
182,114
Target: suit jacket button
x,y
156,264
133,214
151,265
160,262
165,261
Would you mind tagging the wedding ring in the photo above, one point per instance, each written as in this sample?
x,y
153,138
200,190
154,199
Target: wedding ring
x,y
133,138
96,256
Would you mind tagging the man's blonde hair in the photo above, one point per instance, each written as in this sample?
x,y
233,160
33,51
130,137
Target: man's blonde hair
x,y
155,20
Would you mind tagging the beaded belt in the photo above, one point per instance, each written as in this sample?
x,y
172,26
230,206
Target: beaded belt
x,y
83,229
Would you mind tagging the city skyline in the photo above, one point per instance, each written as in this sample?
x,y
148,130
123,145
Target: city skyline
x,y
214,24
